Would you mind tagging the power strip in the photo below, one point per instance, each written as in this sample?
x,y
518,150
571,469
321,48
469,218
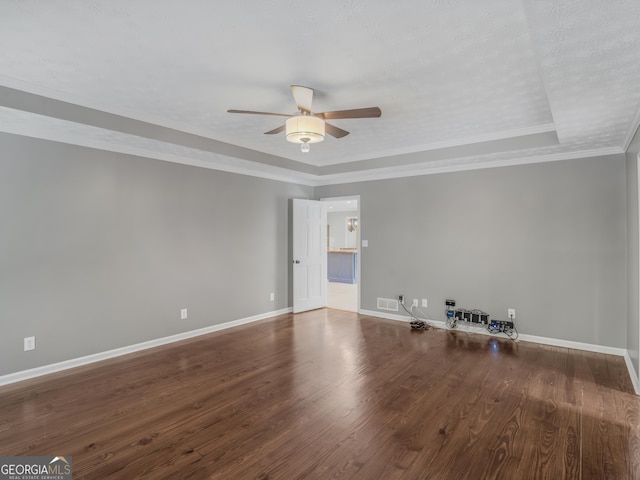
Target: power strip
x,y
497,326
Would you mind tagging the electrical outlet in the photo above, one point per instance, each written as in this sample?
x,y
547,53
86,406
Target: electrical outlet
x,y
401,299
511,313
415,302
183,314
272,296
424,303
29,343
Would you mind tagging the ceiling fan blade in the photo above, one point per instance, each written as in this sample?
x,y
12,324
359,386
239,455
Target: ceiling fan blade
x,y
367,112
260,113
276,130
303,97
335,131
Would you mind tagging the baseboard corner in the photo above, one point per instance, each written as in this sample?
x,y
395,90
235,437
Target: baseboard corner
x,y
632,372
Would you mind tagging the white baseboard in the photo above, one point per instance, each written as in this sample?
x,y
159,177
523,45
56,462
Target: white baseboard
x,y
589,347
97,357
388,316
632,372
557,342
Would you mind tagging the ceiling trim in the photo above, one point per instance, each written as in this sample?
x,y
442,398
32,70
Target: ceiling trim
x,y
220,162
466,150
463,154
76,100
245,167
40,94
489,137
385,174
633,129
37,104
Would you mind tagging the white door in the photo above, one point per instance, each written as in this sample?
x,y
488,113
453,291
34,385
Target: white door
x,y
309,255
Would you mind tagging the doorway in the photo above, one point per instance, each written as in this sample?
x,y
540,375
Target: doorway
x,y
343,253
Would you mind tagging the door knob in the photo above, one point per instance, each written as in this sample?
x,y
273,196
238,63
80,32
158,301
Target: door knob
x,y
296,261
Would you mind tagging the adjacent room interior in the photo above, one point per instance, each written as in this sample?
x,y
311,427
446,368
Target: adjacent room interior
x,y
164,313
342,253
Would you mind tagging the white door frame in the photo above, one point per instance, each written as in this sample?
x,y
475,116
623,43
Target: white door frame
x,y
358,243
637,382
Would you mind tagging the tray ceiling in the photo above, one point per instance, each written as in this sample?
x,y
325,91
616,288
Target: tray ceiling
x,y
461,84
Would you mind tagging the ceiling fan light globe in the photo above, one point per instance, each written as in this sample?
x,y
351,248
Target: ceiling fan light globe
x,y
305,129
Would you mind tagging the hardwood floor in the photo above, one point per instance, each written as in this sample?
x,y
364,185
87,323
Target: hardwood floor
x,y
330,394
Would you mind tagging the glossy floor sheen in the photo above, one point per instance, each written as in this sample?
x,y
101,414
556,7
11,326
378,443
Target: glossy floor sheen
x,y
331,394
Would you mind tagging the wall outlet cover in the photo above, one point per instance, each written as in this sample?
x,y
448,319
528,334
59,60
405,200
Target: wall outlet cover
x,y
424,303
29,343
183,314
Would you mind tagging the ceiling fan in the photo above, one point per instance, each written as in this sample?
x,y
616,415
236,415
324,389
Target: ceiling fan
x,y
305,127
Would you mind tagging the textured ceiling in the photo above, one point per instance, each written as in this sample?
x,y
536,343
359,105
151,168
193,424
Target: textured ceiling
x,y
461,84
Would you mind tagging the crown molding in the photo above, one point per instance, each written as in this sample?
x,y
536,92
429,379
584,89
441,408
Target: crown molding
x,y
91,103
245,167
633,129
458,142
233,159
426,169
220,162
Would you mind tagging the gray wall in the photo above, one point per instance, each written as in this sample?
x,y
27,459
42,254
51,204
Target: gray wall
x,y
100,250
546,239
633,286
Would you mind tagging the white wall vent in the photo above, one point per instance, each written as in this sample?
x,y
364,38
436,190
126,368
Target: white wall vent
x,y
388,304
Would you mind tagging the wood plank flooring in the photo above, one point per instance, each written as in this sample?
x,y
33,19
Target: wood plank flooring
x,y
334,395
